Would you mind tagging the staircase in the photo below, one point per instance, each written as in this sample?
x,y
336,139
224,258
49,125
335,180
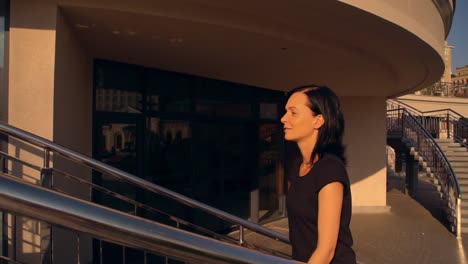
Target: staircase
x,y
430,192
458,157
445,161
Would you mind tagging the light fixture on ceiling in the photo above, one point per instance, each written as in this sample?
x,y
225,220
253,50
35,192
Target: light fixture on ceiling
x,y
131,32
81,26
176,40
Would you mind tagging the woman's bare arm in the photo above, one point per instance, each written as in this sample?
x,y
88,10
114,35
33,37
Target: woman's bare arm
x,y
330,204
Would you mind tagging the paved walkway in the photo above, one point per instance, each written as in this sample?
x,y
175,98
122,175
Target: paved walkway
x,y
409,233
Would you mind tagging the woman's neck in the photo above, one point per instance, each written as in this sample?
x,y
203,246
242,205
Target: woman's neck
x,y
306,150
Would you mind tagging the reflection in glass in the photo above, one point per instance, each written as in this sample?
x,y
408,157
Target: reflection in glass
x,y
118,148
108,100
223,109
271,172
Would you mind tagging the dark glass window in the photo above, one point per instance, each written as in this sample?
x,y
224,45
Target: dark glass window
x,y
215,141
118,88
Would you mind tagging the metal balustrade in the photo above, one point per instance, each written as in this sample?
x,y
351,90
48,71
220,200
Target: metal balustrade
x,y
444,122
131,194
404,123
156,243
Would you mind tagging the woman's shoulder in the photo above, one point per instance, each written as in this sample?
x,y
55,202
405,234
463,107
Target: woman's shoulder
x,y
330,168
331,160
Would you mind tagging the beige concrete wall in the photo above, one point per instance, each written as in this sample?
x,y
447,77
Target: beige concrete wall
x,y
72,128
72,123
429,103
31,76
365,139
31,68
50,94
30,102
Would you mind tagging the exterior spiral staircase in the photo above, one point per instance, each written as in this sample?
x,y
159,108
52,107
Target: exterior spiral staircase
x,y
433,144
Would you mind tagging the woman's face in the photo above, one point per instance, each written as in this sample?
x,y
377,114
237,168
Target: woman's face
x,y
299,120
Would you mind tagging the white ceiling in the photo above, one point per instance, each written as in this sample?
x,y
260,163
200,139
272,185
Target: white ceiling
x,y
270,44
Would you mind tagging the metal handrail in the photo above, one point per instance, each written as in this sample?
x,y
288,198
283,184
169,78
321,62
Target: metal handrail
x,y
407,120
435,146
63,210
102,167
459,131
137,204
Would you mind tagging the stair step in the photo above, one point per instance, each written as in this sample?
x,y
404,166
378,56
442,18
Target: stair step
x,y
460,159
450,145
456,154
443,140
457,170
459,164
462,181
454,149
462,175
464,230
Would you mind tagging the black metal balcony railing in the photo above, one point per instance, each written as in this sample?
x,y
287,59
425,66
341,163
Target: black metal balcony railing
x,y
408,126
127,199
439,123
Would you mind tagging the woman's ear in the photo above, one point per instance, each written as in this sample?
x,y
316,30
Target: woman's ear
x,y
319,121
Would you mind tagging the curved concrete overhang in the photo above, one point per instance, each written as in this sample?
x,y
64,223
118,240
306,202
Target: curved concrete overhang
x,y
359,48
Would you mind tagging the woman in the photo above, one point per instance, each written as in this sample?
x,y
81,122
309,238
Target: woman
x,y
319,197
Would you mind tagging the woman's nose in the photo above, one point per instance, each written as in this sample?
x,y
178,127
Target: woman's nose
x,y
283,119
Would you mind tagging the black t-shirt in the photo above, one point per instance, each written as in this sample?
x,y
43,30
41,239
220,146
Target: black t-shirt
x,y
302,206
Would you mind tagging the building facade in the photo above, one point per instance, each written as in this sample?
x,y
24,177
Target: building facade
x,y
149,85
461,75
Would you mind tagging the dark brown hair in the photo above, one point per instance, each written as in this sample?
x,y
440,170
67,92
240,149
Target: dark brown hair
x,y
323,101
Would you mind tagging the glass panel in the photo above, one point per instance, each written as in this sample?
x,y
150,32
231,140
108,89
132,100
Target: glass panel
x,y
224,166
269,111
216,108
117,147
152,102
172,89
108,100
168,151
118,88
271,178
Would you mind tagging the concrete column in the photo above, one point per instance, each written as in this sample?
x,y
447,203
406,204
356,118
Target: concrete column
x,y
398,161
31,69
366,141
254,205
412,170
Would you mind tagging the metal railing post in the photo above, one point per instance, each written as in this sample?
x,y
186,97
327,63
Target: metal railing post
x,y
46,172
448,124
241,235
3,167
459,218
78,259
